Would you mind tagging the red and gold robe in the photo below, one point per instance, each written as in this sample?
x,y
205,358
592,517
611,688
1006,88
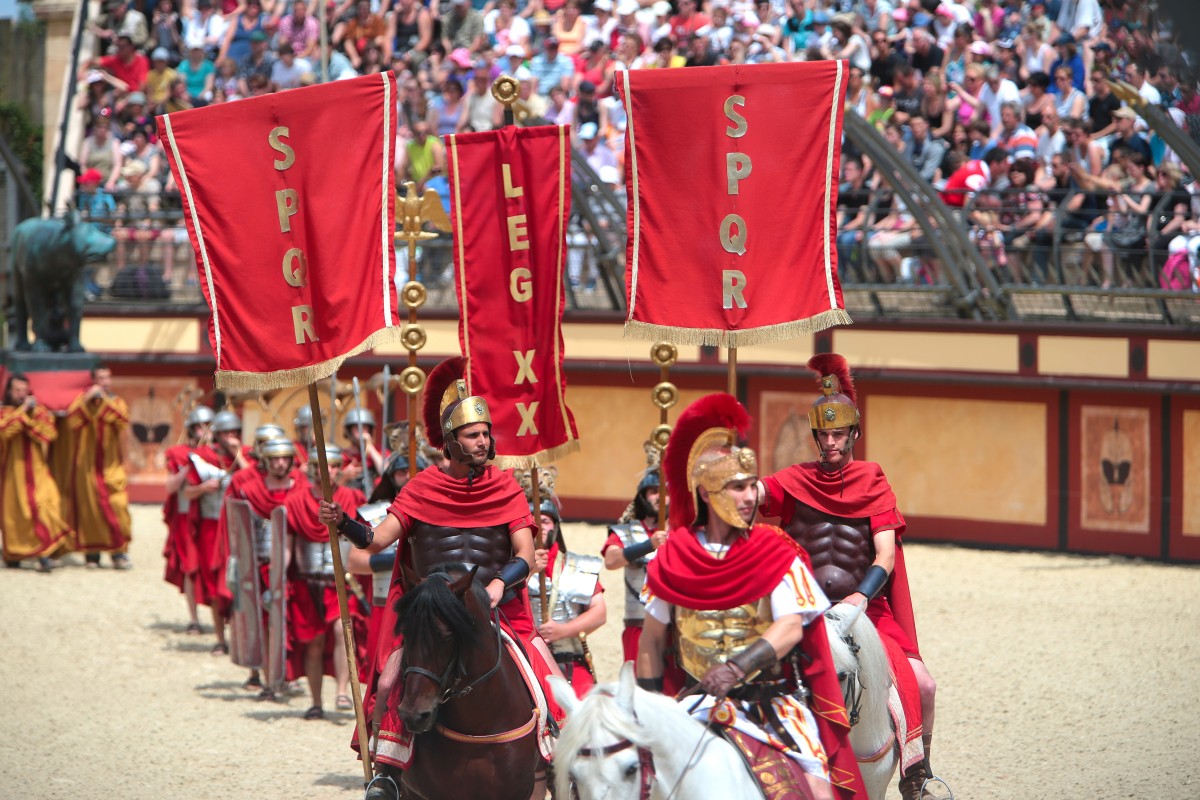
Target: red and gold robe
x,y
98,506
30,507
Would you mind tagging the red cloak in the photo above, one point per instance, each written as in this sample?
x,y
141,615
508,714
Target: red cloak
x,y
490,498
683,573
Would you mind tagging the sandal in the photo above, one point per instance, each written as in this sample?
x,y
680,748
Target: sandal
x,y
265,694
220,649
193,629
344,703
253,682
316,712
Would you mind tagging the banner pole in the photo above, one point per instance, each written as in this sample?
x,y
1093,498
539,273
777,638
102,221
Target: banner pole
x,y
664,354
535,498
339,582
413,296
732,371
367,483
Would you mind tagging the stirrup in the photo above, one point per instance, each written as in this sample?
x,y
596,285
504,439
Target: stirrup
x,y
378,788
935,779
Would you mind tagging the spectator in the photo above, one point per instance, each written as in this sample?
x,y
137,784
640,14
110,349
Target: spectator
x,y
463,27
1015,136
99,153
1171,204
1070,103
1041,22
596,67
570,29
159,78
98,99
1066,48
1082,20
926,55
206,28
140,197
877,15
446,110
177,98
924,151
256,62
974,177
1135,75
166,30
585,109
699,54
1126,234
300,30
979,139
1102,105
971,107
1077,209
996,91
595,152
1084,152
504,27
907,95
1036,56
602,25
361,31
551,68
126,65
689,20
225,82
629,52
197,72
242,26
857,93
1037,99
854,202
1024,205
124,21
481,112
289,72
988,20
423,157
850,45
133,116
1127,137
957,54
1052,139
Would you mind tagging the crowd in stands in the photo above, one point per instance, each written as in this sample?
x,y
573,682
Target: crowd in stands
x,y
1003,106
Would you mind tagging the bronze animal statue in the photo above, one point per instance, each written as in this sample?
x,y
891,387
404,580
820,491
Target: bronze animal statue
x,y
48,258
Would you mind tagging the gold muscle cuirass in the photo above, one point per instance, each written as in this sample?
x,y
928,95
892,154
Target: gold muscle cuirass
x,y
708,638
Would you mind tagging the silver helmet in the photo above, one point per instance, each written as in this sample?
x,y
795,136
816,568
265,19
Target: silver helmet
x,y
333,455
199,416
303,417
225,421
277,446
359,416
265,432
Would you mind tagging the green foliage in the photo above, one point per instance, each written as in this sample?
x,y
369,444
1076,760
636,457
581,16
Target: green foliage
x,y
24,137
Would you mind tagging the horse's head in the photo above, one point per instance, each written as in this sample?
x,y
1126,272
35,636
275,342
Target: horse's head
x,y
605,748
440,618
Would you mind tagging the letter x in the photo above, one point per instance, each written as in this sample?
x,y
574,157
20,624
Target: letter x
x,y
528,425
524,367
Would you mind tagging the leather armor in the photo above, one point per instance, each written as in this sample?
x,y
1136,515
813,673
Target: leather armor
x,y
635,572
841,549
487,548
709,638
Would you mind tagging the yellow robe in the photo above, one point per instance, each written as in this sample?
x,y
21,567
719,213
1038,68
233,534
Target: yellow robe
x,y
30,517
99,506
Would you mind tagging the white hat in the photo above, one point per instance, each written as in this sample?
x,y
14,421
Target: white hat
x,y
662,8
609,174
603,5
514,51
588,130
523,74
627,7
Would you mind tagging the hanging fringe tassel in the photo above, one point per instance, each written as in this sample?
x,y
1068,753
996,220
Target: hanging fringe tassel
x,y
714,337
287,378
539,458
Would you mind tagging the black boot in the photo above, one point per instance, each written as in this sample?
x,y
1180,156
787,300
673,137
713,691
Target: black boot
x,y
913,781
383,786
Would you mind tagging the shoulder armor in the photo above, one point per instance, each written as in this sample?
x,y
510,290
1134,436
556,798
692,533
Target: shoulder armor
x,y
630,533
374,513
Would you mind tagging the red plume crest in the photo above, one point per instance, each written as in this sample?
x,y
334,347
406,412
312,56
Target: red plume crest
x,y
440,378
711,411
835,365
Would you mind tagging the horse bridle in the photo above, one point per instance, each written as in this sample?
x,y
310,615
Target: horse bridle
x,y
853,691
645,764
451,691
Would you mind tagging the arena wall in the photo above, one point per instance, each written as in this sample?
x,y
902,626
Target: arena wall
x,y
1053,438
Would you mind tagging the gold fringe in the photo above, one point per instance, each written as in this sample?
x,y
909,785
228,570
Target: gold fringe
x,y
539,458
714,337
287,378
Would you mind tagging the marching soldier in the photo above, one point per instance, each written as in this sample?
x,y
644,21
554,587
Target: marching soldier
x,y
181,549
302,435
359,426
843,512
208,475
576,599
747,613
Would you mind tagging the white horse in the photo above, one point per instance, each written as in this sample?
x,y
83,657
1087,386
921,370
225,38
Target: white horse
x,y
865,676
624,743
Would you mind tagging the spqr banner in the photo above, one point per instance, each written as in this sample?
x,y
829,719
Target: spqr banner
x,y
732,182
289,200
510,193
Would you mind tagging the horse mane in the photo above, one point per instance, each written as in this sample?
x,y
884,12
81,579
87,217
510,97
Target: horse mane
x,y
421,608
872,660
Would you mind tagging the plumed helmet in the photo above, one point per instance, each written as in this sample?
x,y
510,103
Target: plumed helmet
x,y
277,446
448,406
226,421
703,452
303,417
356,416
837,406
333,455
199,415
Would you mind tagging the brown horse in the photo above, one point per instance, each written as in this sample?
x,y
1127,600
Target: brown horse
x,y
464,699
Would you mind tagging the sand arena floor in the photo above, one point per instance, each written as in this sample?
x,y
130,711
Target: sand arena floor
x,y
1058,677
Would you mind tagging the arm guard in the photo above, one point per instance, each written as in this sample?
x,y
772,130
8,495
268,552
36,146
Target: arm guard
x,y
358,534
383,561
513,572
636,552
651,684
756,658
873,582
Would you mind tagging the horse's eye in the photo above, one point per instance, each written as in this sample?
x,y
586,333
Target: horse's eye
x,y
631,771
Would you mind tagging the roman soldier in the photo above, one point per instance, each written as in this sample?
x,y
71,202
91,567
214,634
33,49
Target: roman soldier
x,y
313,613
302,433
843,512
31,522
747,614
181,549
576,598
470,512
359,427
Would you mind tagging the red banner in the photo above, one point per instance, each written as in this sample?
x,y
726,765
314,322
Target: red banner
x,y
289,200
732,179
510,195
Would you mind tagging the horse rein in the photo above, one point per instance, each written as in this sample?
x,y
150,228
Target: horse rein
x,y
853,692
452,692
